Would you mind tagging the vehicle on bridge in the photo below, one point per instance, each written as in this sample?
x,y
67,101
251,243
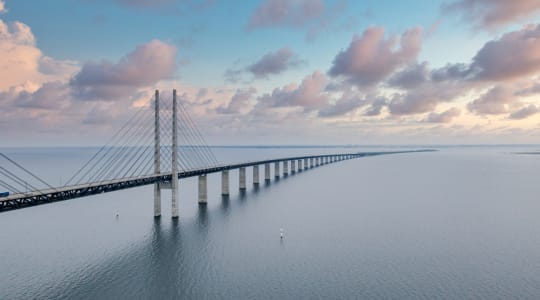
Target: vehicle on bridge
x,y
4,194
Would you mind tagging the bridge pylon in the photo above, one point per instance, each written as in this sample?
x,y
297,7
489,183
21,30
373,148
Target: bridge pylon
x,y
173,185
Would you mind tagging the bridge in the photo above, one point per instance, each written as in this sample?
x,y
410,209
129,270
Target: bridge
x,y
129,160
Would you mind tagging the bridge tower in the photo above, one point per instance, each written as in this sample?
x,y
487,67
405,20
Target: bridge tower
x,y
173,185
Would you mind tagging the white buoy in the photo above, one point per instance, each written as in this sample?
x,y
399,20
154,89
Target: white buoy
x,y
281,232
117,214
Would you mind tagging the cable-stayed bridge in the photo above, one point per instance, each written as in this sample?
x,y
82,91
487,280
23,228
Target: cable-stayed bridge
x,y
156,147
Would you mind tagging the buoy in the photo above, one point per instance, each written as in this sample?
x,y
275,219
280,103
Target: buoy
x,y
281,232
117,214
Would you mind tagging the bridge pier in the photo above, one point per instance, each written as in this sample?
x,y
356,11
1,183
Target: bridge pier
x,y
242,178
285,168
203,194
300,165
293,166
276,169
267,172
305,163
225,183
256,175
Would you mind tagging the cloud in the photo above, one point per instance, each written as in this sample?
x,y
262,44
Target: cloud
x,y
424,98
297,13
51,95
514,55
489,14
3,8
410,77
496,101
371,58
274,63
347,103
240,102
525,112
312,15
308,95
146,65
376,107
22,62
444,117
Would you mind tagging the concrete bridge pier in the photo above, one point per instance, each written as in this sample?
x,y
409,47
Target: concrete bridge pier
x,y
300,165
293,166
225,183
276,169
242,178
267,172
256,175
203,192
285,168
305,163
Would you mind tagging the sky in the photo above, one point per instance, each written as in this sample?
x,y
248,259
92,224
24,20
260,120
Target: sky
x,y
262,72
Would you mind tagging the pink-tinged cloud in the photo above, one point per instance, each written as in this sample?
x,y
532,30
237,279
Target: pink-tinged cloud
x,y
514,55
146,65
490,14
240,102
274,63
22,62
309,94
371,58
272,13
3,8
496,101
524,112
444,117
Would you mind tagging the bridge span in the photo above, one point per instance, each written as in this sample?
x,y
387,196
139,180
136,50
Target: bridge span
x,y
136,156
164,180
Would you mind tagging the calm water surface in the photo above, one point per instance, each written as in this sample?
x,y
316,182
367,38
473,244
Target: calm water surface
x,y
461,223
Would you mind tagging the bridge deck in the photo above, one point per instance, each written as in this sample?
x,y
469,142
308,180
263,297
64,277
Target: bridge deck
x,y
33,198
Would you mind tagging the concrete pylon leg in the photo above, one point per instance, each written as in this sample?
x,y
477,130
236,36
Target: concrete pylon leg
x,y
242,178
225,183
276,169
293,166
267,172
157,200
285,167
255,175
174,173
203,194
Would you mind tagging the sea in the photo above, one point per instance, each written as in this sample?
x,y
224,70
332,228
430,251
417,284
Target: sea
x,y
462,222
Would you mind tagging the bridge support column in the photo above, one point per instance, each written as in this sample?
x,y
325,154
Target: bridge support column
x,y
317,162
293,166
157,156
242,178
203,194
311,162
276,169
305,164
300,165
225,183
174,173
267,172
256,175
285,168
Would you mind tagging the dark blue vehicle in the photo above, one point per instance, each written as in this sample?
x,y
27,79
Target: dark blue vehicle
x,y
4,194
